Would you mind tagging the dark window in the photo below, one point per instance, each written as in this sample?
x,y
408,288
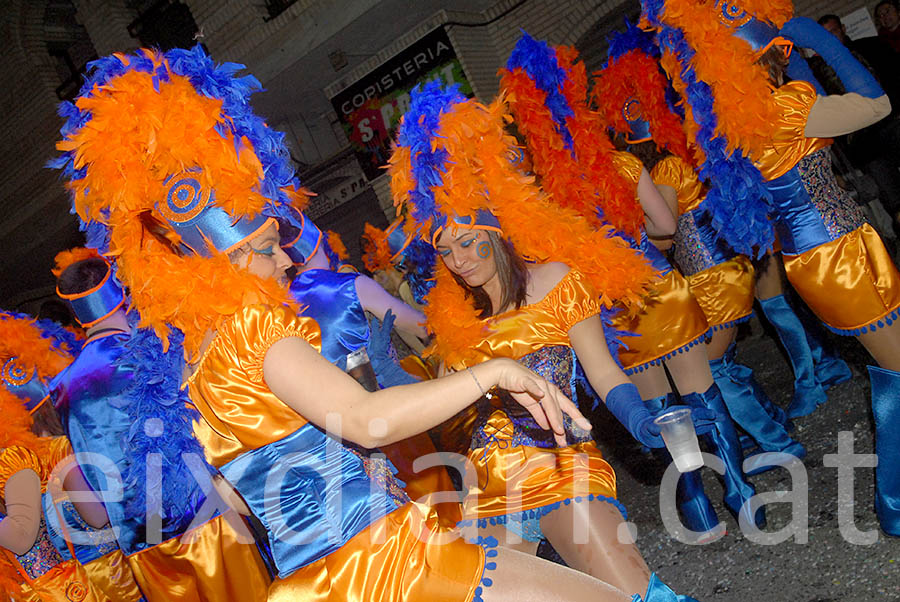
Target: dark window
x,y
276,7
164,24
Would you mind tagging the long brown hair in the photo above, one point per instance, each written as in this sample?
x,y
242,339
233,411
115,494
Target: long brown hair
x,y
775,63
513,277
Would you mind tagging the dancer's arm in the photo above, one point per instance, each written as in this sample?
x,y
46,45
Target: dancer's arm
x,y
89,506
664,243
374,419
660,220
19,530
378,301
588,341
840,114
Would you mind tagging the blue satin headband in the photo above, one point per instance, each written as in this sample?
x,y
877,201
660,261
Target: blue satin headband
x,y
483,220
30,389
203,227
307,242
97,303
758,34
397,240
639,127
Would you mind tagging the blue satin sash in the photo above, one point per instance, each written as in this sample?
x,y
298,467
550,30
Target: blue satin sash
x,y
311,494
654,256
797,222
330,299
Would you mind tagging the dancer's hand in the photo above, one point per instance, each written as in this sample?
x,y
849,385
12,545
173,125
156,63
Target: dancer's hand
x,y
543,400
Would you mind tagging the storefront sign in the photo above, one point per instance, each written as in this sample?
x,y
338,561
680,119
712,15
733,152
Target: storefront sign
x,y
370,109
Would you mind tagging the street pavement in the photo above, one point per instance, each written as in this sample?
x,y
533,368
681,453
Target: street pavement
x,y
827,567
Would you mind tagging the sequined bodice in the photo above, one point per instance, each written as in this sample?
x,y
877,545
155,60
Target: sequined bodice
x,y
42,556
696,247
838,211
555,363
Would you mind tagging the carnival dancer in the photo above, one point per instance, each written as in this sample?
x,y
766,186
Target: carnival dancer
x,y
580,168
833,259
122,377
720,280
339,303
189,216
32,568
452,176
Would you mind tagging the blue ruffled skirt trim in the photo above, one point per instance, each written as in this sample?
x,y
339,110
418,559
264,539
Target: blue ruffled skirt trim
x,y
490,563
658,361
885,320
731,323
542,511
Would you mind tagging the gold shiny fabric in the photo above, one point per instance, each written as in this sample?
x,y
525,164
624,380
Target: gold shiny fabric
x,y
671,318
66,582
404,557
518,332
675,172
111,574
397,558
414,365
239,411
850,282
512,478
788,143
725,291
207,564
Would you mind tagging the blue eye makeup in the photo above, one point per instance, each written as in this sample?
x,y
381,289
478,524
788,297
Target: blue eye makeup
x,y
444,252
467,243
268,251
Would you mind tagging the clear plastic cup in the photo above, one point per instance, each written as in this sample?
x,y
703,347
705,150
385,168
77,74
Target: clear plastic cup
x,y
677,430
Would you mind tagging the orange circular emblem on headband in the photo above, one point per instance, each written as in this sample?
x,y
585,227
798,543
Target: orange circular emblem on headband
x,y
185,198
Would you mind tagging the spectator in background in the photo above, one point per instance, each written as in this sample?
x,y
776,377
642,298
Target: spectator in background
x,y
887,18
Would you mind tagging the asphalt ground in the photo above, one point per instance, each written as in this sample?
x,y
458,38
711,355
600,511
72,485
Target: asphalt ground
x,y
827,567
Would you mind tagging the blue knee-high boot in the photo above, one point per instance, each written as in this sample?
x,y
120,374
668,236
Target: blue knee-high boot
x,y
746,401
657,591
830,369
690,497
723,442
808,392
886,409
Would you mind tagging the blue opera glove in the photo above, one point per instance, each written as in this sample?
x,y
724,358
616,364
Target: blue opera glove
x,y
798,69
805,32
626,405
382,356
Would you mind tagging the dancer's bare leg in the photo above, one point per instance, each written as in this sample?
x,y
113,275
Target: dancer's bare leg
x,y
587,536
523,578
508,539
690,370
769,278
884,345
651,382
719,343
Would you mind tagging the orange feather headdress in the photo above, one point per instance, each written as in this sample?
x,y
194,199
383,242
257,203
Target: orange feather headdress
x,y
546,88
162,151
453,164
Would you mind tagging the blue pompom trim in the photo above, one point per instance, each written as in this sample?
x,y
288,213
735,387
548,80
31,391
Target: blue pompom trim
x,y
659,360
880,322
731,323
490,554
542,511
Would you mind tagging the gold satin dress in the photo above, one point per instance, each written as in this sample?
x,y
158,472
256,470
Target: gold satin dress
x,y
721,282
833,258
402,556
671,320
46,576
518,471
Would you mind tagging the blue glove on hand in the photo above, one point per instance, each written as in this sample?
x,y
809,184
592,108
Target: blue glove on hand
x,y
805,32
626,405
381,356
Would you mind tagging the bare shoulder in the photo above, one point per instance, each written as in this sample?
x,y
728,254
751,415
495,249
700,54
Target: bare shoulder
x,y
543,278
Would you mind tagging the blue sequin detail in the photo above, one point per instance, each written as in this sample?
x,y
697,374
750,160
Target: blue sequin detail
x,y
658,361
42,556
838,211
690,251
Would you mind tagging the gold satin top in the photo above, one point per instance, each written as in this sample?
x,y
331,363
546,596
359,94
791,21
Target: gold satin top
x,y
629,166
42,461
673,171
789,143
518,332
239,411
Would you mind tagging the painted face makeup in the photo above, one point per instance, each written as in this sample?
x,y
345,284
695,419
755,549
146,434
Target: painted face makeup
x,y
468,254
